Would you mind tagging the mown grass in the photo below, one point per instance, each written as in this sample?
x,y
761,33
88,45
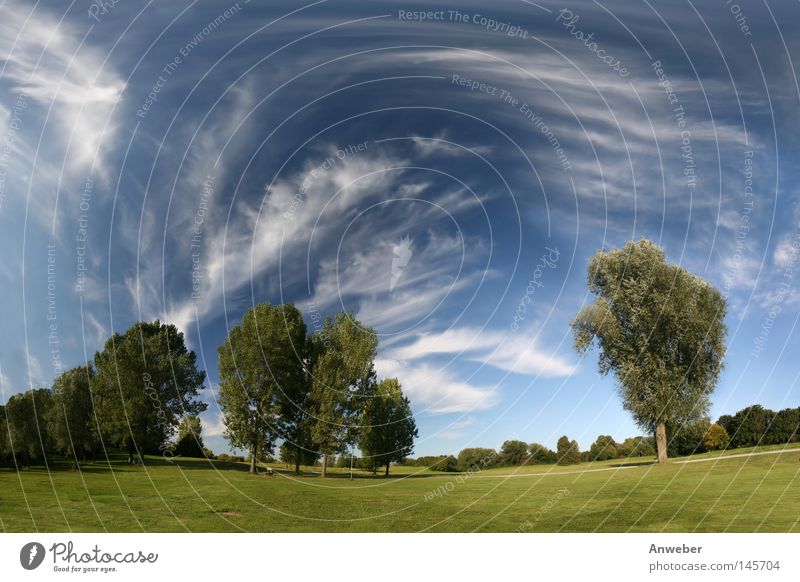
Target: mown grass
x,y
759,493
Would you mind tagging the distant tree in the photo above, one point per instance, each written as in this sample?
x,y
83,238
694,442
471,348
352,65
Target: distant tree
x,y
786,426
639,446
660,330
568,451
514,453
603,448
476,459
145,381
5,449
715,438
190,440
388,428
541,455
258,366
751,426
686,437
343,380
449,464
26,414
289,454
71,418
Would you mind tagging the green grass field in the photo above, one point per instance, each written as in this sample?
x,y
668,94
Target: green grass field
x,y
759,493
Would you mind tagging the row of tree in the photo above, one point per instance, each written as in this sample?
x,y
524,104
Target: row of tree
x,y
138,392
317,392
751,426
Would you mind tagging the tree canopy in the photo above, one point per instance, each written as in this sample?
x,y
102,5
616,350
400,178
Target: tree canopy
x,y
660,330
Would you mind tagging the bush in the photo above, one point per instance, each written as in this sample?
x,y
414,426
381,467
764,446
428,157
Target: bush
x,y
715,438
476,459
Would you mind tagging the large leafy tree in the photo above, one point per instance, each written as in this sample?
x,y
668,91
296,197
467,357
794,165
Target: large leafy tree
x,y
72,423
26,415
261,369
145,381
514,453
660,330
388,428
342,381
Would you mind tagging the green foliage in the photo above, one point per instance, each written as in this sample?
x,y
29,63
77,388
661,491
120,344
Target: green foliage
x,y
26,415
541,455
686,438
388,428
514,453
603,448
190,441
756,425
476,459
568,451
715,438
639,446
660,330
71,420
260,368
146,379
289,454
342,356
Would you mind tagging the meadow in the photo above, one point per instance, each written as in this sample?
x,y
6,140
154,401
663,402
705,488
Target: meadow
x,y
757,493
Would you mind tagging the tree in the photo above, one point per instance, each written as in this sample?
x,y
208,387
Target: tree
x,y
71,418
26,414
295,409
145,381
291,454
190,441
568,451
603,448
541,455
685,437
5,449
388,428
751,426
260,365
639,446
786,426
343,380
660,330
715,438
476,459
514,453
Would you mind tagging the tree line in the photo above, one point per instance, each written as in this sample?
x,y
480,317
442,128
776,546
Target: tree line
x,y
752,426
315,392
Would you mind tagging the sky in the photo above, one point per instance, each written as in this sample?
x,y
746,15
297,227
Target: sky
x,y
444,171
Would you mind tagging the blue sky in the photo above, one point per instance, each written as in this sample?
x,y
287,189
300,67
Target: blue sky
x,y
445,178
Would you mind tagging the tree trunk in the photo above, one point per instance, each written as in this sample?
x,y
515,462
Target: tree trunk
x,y
324,465
661,442
387,469
253,455
297,459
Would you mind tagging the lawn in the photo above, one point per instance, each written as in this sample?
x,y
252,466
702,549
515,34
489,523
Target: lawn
x,y
746,494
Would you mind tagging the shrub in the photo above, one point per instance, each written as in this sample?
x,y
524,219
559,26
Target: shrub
x,y
715,438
